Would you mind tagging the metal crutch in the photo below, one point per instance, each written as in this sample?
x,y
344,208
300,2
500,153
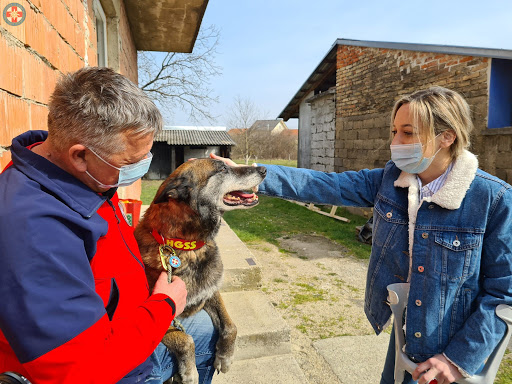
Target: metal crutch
x,y
398,295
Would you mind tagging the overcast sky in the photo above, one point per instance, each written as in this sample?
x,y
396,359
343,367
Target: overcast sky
x,y
268,48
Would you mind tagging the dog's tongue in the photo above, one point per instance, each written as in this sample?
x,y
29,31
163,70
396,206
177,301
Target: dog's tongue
x,y
241,194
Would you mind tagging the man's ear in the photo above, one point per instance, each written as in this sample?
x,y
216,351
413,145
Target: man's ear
x,y
177,189
447,138
76,157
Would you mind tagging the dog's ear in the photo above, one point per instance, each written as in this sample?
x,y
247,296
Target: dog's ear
x,y
178,189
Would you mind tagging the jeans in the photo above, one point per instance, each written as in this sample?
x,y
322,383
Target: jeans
x,y
205,336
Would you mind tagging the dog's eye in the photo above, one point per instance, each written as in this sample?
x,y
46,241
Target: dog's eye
x,y
224,169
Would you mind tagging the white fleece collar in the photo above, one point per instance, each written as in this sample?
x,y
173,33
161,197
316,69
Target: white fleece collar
x,y
450,195
454,190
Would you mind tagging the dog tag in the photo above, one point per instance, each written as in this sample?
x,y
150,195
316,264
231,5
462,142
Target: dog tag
x,y
175,261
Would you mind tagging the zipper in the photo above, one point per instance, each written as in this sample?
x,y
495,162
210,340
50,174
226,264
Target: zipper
x,y
121,233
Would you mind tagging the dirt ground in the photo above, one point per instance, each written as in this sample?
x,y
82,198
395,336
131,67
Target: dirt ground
x,y
319,290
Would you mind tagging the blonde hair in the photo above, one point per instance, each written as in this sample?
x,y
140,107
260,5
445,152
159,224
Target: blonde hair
x,y
436,110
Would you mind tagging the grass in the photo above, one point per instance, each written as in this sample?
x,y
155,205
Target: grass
x,y
274,218
149,188
505,372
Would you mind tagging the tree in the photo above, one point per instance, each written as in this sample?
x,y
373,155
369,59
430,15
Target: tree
x,y
242,116
183,79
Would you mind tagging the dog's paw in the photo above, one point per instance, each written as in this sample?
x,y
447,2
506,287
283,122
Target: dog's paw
x,y
222,363
191,376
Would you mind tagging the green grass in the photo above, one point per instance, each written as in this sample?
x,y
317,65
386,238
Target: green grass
x,y
274,218
149,188
288,163
505,372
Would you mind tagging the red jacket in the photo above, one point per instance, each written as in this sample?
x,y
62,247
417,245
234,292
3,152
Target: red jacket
x,y
74,300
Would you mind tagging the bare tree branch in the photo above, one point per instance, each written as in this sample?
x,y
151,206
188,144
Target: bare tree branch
x,y
182,80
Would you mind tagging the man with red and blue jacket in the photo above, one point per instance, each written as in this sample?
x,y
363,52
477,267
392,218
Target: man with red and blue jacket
x,y
74,301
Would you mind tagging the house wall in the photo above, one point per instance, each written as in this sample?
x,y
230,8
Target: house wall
x,y
370,80
323,131
304,143
199,153
56,37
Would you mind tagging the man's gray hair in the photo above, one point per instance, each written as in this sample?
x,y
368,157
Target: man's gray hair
x,y
94,105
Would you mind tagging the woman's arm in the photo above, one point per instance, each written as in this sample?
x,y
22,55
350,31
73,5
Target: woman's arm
x,y
348,188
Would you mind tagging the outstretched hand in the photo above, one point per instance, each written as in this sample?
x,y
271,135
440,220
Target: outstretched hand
x,y
226,161
438,368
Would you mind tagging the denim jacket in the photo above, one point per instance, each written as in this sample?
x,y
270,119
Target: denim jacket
x,y
455,249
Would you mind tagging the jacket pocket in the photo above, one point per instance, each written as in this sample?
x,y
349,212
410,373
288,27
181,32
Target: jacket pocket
x,y
113,299
454,253
387,218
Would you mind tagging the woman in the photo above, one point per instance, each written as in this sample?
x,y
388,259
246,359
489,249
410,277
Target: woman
x,y
440,224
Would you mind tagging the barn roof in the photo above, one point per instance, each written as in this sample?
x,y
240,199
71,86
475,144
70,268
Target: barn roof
x,y
193,137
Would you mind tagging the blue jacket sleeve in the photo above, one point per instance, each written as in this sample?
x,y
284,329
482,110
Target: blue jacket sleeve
x,y
349,188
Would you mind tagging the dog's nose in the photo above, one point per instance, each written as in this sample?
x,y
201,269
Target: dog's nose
x,y
262,171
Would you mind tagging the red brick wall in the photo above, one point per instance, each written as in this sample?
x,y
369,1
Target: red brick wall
x,y
370,80
57,36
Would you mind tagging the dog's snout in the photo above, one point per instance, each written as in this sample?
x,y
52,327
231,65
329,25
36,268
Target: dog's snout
x,y
262,171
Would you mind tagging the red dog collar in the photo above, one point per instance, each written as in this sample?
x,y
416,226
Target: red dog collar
x,y
182,245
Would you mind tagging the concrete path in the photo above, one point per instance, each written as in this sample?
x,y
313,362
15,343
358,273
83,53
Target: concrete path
x,y
355,359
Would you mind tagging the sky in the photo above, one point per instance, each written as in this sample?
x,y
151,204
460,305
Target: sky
x,y
268,48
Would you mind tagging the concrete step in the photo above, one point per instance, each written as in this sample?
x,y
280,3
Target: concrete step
x,y
281,369
261,330
241,269
355,359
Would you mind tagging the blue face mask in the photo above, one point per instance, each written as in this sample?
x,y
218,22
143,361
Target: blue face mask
x,y
128,174
409,157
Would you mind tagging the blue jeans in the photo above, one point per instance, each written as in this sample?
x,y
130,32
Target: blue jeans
x,y
205,336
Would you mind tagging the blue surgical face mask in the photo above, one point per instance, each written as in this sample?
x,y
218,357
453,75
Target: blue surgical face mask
x,y
409,157
128,174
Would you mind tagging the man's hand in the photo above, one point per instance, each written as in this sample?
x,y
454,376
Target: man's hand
x,y
176,290
226,161
439,368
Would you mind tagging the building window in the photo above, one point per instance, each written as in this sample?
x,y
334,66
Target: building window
x,y
101,33
500,94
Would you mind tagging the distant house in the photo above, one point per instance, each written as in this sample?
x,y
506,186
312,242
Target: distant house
x,y
344,106
175,145
272,126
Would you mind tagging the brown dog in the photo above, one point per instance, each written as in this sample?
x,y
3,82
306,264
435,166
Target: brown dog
x,y
185,214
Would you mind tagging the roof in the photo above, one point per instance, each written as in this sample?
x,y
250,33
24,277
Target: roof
x,y
164,25
193,137
195,127
327,66
266,125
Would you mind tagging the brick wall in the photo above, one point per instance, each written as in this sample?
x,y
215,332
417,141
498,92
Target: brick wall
x,y
370,80
56,37
323,131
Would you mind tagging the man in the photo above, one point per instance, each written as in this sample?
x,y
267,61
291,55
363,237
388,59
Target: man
x,y
74,301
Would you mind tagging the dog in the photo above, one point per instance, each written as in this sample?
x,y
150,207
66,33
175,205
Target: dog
x,y
185,214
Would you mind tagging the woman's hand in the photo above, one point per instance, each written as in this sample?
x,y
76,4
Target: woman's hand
x,y
439,368
226,161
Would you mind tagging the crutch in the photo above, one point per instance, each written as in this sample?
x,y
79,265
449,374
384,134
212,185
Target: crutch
x,y
398,295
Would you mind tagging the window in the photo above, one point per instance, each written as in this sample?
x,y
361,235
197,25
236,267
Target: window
x,y
101,33
500,94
